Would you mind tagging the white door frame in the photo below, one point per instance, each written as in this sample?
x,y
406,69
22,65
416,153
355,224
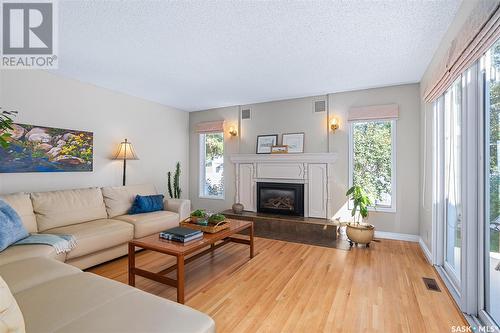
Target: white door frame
x,y
483,204
465,291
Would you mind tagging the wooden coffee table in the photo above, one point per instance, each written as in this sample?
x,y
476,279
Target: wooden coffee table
x,y
181,251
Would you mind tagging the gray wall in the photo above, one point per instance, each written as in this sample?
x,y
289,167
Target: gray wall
x,y
296,115
159,133
405,219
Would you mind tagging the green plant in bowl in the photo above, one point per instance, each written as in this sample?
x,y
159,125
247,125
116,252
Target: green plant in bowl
x,y
216,218
199,216
199,213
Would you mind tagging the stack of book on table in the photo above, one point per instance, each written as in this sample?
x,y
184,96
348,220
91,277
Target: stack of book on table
x,y
180,234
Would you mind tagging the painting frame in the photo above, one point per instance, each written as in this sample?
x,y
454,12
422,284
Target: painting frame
x,y
42,149
265,142
294,141
279,149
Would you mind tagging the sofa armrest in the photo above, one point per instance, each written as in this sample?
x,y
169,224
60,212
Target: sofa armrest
x,y
180,206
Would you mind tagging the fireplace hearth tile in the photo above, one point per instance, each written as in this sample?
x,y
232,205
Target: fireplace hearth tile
x,y
296,229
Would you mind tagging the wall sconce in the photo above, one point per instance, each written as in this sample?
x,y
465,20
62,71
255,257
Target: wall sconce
x,y
334,124
233,131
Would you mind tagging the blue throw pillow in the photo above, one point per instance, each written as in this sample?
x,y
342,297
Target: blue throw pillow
x,y
11,227
147,204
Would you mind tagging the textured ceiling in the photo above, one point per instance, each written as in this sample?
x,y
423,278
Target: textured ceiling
x,y
196,55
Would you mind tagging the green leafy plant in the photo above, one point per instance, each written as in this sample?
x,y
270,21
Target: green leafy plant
x,y
216,218
360,201
175,190
199,213
6,122
214,145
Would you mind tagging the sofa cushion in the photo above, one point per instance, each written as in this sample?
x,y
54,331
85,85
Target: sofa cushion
x,y
61,208
24,274
149,223
54,304
21,252
119,199
146,313
86,302
21,203
96,235
11,318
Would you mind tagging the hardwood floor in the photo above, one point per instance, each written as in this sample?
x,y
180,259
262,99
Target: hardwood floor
x,y
290,287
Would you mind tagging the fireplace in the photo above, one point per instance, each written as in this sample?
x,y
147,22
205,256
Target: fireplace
x,y
280,198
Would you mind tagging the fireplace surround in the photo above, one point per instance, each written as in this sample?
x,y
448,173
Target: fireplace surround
x,y
312,171
280,198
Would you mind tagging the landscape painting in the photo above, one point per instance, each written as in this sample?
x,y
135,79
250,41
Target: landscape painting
x,y
46,149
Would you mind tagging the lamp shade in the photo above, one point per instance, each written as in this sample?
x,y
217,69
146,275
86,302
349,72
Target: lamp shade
x,y
126,152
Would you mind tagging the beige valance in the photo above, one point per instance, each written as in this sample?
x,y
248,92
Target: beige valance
x,y
210,127
477,35
374,112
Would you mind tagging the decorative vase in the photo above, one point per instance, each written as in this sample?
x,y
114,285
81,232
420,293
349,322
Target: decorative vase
x,y
238,208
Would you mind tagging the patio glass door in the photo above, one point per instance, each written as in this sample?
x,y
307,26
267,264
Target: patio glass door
x,y
452,182
491,171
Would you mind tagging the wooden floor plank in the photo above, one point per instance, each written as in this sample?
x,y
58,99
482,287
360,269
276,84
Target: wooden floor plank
x,y
289,287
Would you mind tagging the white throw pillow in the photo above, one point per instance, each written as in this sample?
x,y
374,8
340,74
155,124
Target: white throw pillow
x,y
11,318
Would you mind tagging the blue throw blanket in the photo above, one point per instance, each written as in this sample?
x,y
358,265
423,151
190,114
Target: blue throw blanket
x,y
61,243
12,232
11,227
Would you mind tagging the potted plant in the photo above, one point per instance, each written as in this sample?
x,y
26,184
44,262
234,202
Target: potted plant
x,y
199,216
6,125
216,219
357,231
175,191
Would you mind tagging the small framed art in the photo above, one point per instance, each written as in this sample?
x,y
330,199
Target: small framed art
x,y
294,141
279,149
265,142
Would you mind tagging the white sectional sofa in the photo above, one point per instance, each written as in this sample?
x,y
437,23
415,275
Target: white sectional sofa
x,y
54,296
60,298
96,217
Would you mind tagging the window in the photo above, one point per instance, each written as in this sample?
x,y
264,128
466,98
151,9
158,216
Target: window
x,y
212,165
372,161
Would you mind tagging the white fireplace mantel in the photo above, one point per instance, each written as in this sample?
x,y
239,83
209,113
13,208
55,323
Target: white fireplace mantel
x,y
314,170
290,158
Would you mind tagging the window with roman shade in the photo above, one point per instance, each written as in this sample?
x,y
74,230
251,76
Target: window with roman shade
x,y
372,162
211,174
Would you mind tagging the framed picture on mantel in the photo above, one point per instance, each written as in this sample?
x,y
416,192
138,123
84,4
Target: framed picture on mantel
x,y
294,141
265,142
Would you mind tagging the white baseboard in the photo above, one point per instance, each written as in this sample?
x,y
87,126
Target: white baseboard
x,y
396,236
408,238
426,250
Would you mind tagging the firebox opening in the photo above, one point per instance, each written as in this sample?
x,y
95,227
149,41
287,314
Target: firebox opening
x,y
280,198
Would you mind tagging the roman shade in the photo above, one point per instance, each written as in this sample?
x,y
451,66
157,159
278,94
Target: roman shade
x,y
373,112
210,127
475,37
